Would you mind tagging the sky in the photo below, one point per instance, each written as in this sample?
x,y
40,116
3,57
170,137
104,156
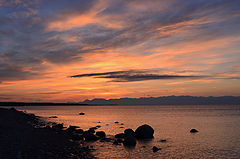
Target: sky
x,y
72,50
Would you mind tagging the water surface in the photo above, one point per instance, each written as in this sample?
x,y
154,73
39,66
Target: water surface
x,y
218,137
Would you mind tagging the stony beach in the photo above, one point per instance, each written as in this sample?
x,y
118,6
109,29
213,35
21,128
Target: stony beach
x,y
26,136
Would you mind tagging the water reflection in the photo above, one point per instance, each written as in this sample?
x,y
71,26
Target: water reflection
x,y
218,126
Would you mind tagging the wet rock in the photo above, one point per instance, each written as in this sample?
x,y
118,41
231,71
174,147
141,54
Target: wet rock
x,y
101,134
76,137
47,127
106,140
120,135
144,132
91,131
120,140
155,149
81,113
193,131
93,128
53,117
129,132
89,136
58,126
115,142
72,128
129,141
79,131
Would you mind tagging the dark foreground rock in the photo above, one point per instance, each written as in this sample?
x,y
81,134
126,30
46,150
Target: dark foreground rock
x,y
23,136
144,132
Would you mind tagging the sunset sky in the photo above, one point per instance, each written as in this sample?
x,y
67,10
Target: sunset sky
x,y
72,50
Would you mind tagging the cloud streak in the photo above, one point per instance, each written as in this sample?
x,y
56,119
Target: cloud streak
x,y
135,75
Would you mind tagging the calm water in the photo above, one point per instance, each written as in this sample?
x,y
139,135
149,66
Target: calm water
x,y
218,137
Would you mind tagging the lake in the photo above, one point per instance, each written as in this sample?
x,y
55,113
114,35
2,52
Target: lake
x,y
218,125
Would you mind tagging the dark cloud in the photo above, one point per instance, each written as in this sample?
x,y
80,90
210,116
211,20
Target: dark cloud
x,y
11,73
134,75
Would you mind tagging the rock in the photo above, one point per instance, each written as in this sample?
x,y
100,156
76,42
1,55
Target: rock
x,y
120,135
101,134
129,132
81,113
155,149
116,122
106,140
121,124
119,140
121,127
163,140
93,128
92,131
76,137
79,131
72,128
144,132
53,117
115,142
58,126
129,141
89,136
193,131
98,126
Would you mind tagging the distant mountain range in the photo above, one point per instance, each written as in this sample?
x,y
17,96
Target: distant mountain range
x,y
167,100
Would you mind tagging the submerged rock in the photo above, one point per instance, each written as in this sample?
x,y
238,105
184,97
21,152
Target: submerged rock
x,y
129,141
53,117
193,131
144,132
155,149
163,140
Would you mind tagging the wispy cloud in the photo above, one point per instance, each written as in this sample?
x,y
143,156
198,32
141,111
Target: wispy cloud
x,y
135,75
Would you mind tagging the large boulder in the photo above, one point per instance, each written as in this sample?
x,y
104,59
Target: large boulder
x,y
129,141
144,132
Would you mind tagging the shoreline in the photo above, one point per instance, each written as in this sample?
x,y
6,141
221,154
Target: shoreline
x,y
27,136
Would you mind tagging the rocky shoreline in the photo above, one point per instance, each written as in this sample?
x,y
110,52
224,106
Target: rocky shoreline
x,y
26,136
